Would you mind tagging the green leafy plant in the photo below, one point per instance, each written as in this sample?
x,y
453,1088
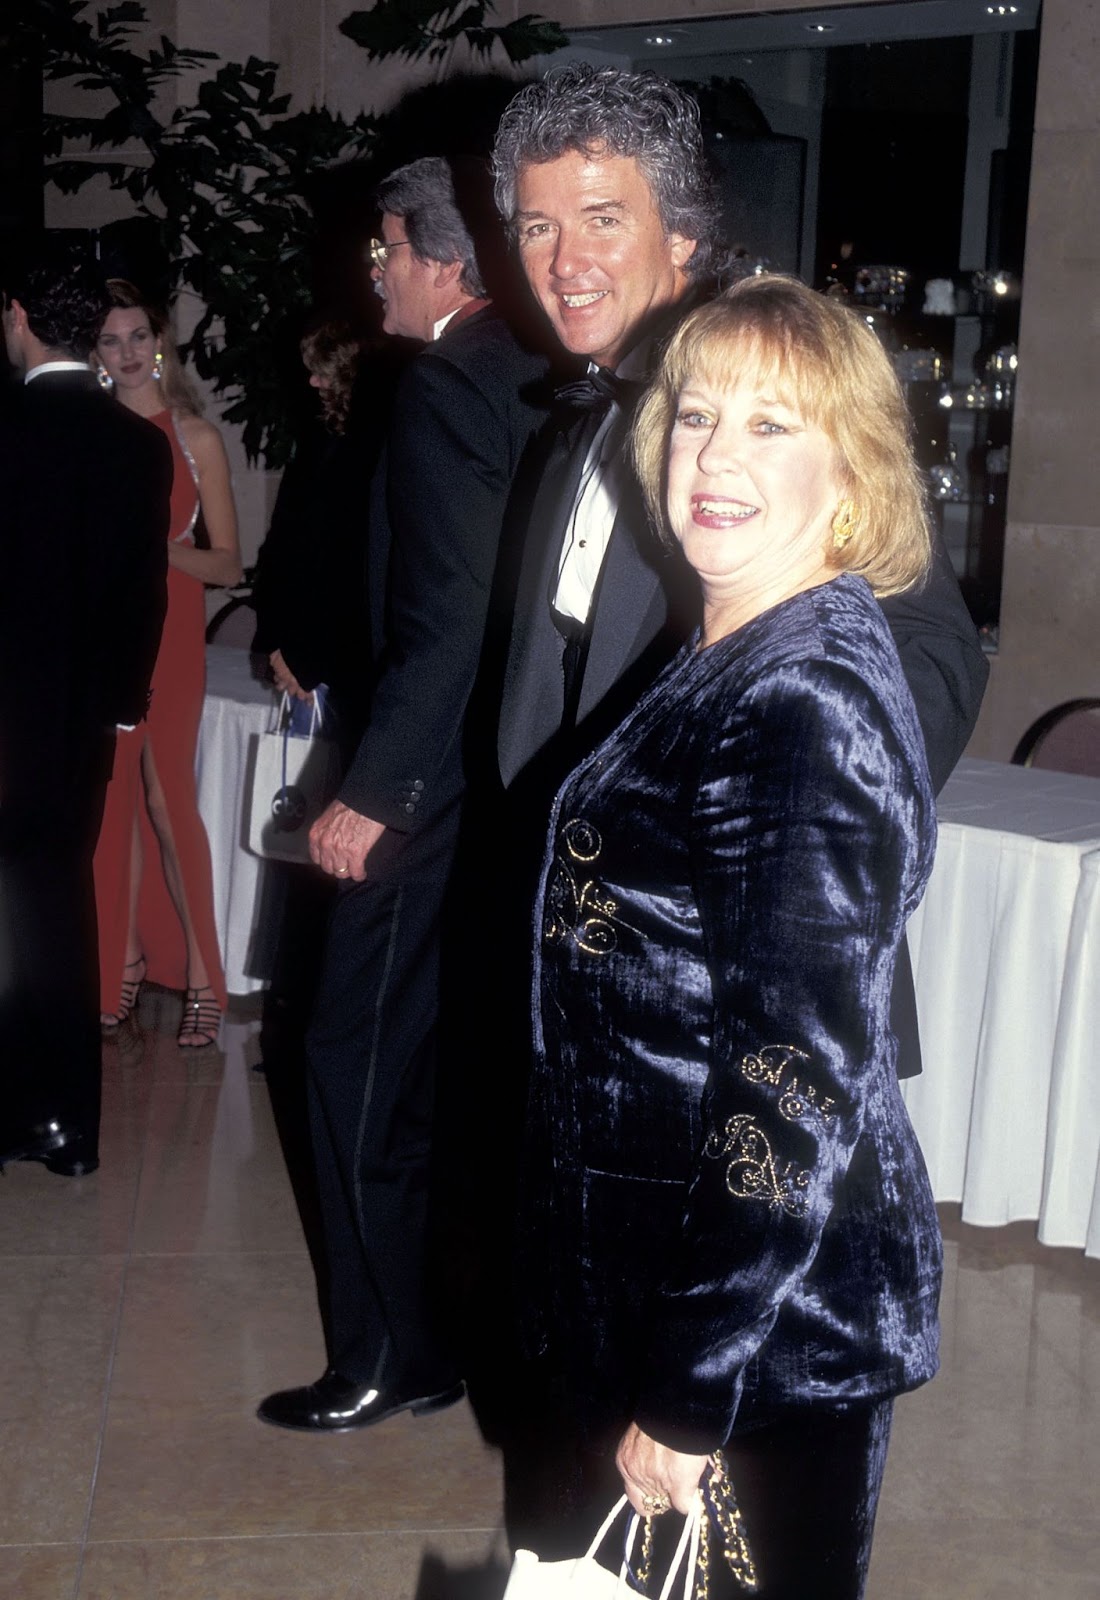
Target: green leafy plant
x,y
226,178
416,28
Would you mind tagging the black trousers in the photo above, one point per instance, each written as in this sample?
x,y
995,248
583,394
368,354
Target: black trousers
x,y
50,1048
808,1489
371,1055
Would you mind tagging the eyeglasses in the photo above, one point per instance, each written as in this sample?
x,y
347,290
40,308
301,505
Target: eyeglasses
x,y
379,250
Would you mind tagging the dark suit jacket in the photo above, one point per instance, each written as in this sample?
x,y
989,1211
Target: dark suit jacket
x,y
463,416
735,1217
84,488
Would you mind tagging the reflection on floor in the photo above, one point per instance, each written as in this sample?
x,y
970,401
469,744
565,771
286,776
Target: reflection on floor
x,y
146,1310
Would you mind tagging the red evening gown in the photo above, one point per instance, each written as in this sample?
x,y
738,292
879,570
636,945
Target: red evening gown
x,y
171,733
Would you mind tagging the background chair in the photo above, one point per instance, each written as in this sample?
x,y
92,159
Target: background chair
x,y
1064,739
234,622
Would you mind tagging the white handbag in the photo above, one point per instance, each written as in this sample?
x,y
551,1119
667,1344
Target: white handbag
x,y
582,1577
294,779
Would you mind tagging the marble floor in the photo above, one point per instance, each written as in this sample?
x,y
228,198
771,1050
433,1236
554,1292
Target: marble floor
x,y
146,1309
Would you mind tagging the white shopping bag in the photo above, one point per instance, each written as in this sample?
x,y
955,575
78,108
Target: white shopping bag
x,y
582,1577
294,779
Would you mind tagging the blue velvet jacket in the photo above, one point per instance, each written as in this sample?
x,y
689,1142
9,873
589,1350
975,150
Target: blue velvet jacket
x,y
727,1210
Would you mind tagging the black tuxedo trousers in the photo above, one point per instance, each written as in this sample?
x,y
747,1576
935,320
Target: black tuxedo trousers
x,y
49,1001
371,1122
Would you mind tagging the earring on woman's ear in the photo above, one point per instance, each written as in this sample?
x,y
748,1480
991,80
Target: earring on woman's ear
x,y
845,523
158,366
103,378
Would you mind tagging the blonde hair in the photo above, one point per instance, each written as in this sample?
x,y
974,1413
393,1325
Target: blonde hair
x,y
176,388
825,362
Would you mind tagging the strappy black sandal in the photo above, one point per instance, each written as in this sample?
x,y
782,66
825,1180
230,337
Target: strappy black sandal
x,y
128,995
201,1019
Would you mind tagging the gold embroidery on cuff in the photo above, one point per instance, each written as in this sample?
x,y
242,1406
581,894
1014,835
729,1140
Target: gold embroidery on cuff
x,y
753,1173
798,1102
798,1105
768,1064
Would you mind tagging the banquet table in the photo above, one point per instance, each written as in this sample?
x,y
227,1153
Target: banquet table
x,y
247,894
1005,948
1006,956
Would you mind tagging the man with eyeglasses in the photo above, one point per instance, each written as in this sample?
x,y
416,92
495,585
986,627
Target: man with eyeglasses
x,y
463,415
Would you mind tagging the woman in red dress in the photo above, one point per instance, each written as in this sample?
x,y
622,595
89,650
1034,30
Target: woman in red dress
x,y
154,890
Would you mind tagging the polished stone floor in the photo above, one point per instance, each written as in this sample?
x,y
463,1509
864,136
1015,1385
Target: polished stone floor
x,y
146,1309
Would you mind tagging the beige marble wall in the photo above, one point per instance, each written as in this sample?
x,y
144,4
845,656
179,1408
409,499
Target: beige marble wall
x,y
1050,608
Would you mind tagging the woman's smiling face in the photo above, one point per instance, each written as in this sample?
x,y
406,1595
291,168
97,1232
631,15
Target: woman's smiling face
x,y
752,489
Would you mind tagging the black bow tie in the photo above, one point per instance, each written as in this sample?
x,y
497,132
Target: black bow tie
x,y
597,388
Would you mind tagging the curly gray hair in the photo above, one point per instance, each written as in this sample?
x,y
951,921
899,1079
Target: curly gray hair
x,y
422,194
605,111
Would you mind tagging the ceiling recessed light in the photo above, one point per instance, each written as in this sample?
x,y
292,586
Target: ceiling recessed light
x,y
659,39
819,27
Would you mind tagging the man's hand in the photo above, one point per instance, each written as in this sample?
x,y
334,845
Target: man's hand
x,y
650,1470
285,679
341,840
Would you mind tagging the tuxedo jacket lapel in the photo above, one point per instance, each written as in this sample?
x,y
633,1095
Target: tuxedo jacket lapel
x,y
630,606
532,700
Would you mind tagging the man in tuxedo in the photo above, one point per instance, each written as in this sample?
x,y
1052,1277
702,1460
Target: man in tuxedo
x,y
600,175
464,412
84,487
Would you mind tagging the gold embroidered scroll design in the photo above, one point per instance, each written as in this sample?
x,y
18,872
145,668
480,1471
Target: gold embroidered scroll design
x,y
799,1101
578,907
753,1172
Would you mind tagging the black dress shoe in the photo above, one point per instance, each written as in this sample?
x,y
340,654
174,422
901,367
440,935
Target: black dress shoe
x,y
336,1405
60,1149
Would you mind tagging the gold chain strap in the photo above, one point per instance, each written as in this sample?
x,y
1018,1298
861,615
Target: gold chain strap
x,y
722,1503
727,1515
647,1556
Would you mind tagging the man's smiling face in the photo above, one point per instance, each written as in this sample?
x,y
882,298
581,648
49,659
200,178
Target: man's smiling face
x,y
595,251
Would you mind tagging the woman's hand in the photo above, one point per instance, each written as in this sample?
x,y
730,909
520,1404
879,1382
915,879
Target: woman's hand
x,y
649,1469
285,680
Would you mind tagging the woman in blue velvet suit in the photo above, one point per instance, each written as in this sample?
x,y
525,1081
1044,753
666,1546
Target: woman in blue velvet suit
x,y
734,1239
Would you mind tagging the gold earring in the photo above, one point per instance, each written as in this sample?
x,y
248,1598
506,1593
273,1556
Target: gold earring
x,y
845,523
158,366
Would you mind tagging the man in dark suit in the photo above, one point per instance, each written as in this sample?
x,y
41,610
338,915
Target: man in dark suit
x,y
600,174
601,177
84,488
464,413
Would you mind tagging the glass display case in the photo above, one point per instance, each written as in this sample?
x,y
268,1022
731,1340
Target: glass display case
x,y
953,345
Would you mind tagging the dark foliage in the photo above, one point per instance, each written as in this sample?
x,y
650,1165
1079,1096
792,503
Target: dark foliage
x,y
229,181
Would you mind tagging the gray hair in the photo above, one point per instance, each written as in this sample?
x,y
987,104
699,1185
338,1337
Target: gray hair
x,y
604,111
422,194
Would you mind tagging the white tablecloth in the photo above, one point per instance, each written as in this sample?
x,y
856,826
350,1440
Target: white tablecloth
x,y
247,897
1006,954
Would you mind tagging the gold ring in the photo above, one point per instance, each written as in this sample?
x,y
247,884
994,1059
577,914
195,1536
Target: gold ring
x,y
341,872
654,1504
